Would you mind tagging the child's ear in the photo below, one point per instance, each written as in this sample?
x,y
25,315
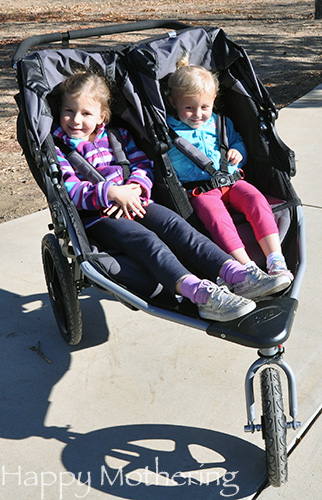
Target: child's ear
x,y
172,101
103,119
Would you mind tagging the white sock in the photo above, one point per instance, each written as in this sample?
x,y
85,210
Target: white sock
x,y
273,257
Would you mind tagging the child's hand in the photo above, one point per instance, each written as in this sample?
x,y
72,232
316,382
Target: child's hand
x,y
234,156
126,199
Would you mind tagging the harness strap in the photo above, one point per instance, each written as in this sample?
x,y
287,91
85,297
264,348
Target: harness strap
x,y
198,157
119,151
224,145
192,152
79,163
179,199
85,168
221,179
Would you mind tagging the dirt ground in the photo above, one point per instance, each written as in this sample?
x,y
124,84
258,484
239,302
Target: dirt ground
x,y
282,39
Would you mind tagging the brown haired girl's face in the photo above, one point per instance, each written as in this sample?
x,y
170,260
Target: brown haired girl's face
x,y
194,110
80,115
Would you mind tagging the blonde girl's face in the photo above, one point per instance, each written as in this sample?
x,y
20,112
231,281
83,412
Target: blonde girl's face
x,y
194,110
80,116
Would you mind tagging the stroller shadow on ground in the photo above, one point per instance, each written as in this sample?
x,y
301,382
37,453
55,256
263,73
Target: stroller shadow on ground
x,y
166,462
159,462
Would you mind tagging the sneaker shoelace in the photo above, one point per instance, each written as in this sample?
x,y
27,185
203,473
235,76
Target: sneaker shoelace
x,y
215,291
253,269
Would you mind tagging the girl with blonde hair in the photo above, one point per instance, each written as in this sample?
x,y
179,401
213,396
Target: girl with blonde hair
x,y
192,93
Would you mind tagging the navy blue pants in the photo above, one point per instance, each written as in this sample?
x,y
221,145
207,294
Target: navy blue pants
x,y
163,243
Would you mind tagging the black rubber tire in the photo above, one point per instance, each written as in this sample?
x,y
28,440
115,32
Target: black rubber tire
x,y
62,290
274,427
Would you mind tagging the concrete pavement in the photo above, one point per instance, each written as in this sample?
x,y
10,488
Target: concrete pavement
x,y
143,408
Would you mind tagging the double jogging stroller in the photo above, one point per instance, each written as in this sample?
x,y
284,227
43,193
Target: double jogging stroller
x,y
138,75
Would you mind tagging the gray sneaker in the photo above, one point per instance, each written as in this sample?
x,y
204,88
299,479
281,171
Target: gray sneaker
x,y
259,284
222,305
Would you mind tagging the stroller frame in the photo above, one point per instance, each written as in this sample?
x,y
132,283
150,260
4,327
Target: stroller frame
x,y
68,248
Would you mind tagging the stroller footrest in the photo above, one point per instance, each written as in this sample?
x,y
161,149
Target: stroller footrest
x,y
268,325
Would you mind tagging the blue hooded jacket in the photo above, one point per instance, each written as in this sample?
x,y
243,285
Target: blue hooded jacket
x,y
206,139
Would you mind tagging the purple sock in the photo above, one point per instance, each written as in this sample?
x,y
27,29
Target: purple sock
x,y
233,272
192,288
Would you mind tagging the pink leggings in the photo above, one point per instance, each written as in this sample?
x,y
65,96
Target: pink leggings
x,y
212,210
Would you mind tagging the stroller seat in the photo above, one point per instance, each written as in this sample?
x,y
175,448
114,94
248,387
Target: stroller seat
x,y
137,73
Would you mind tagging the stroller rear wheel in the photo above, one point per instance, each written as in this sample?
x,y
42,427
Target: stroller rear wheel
x,y
62,290
274,427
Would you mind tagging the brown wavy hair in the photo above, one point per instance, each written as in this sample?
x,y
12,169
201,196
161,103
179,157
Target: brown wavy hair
x,y
90,83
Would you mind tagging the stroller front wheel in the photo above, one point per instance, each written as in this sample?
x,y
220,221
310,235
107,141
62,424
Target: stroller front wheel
x,y
62,290
274,427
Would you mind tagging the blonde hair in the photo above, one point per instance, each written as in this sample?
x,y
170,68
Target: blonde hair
x,y
190,80
93,85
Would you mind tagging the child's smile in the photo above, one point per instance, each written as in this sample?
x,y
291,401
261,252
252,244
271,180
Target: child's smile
x,y
80,116
195,110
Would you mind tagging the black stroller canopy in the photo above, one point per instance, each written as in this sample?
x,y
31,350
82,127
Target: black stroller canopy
x,y
43,71
153,60
147,65
208,47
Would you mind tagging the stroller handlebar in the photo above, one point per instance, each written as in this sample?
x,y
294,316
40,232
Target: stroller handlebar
x,y
36,40
33,41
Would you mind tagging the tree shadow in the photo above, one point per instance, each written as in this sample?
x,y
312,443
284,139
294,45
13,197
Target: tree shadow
x,y
27,322
289,66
